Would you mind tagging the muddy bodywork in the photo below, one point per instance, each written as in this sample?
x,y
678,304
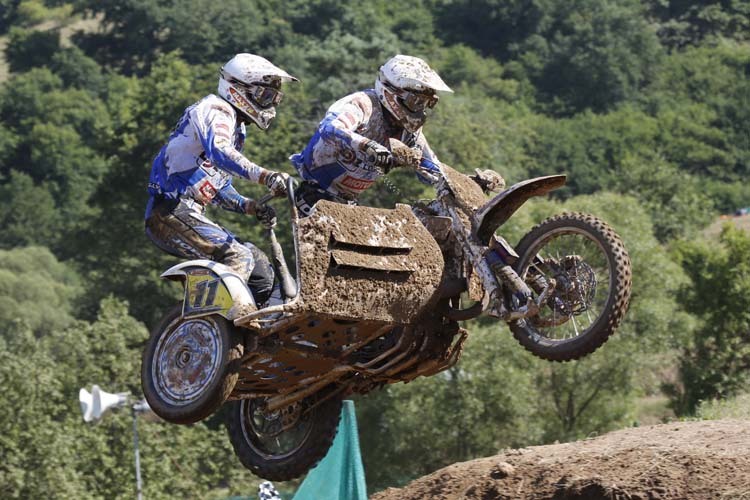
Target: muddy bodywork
x,y
468,194
325,355
368,309
367,264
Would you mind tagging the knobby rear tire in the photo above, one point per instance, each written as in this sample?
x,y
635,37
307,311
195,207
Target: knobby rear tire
x,y
313,447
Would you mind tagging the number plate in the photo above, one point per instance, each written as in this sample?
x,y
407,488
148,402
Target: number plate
x,y
205,294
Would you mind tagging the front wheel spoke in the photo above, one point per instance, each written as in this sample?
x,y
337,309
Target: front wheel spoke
x,y
575,324
582,271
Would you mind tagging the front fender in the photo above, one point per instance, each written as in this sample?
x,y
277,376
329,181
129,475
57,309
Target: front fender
x,y
498,210
211,288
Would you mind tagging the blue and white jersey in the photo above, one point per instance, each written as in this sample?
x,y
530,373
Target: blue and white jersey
x,y
334,157
201,156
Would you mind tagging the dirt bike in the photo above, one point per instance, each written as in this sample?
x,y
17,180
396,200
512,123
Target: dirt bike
x,y
377,300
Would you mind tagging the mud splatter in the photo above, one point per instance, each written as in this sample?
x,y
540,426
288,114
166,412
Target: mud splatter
x,y
464,188
372,242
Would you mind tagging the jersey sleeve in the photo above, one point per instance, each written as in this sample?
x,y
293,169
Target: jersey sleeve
x,y
429,167
342,120
215,123
230,199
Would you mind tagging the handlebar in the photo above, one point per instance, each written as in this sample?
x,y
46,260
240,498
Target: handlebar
x,y
290,183
287,283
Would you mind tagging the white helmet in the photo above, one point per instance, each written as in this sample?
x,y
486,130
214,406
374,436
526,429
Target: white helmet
x,y
407,87
251,84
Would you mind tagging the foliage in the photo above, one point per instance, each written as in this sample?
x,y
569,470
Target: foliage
x,y
30,48
592,56
29,214
632,145
686,23
36,291
715,363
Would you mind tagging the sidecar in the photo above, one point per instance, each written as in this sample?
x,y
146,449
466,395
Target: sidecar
x,y
361,272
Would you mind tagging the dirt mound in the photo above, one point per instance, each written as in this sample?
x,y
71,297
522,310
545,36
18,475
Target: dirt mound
x,y
685,460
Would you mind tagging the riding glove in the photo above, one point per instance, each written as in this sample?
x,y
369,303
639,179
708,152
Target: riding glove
x,y
276,183
378,156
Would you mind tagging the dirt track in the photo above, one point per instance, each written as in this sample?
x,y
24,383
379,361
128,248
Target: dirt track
x,y
685,460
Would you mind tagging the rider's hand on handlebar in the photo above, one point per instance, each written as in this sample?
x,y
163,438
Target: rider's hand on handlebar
x,y
266,215
378,155
276,183
488,180
250,206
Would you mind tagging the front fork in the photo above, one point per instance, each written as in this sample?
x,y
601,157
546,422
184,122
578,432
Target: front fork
x,y
492,265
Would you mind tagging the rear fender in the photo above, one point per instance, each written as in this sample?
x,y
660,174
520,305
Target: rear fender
x,y
211,288
499,209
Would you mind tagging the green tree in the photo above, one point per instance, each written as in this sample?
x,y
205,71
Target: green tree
x,y
691,23
593,55
36,291
29,48
29,215
716,361
626,151
55,133
701,99
8,13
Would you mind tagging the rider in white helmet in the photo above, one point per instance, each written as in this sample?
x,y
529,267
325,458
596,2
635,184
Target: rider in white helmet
x,y
196,165
347,153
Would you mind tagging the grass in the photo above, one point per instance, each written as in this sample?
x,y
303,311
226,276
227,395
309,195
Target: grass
x,y
737,408
652,410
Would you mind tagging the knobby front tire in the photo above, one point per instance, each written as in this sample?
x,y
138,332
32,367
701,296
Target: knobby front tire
x,y
593,274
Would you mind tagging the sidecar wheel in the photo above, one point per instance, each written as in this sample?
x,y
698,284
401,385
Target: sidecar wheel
x,y
275,454
190,366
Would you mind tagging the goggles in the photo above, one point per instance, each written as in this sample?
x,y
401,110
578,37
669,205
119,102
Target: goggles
x,y
417,102
265,96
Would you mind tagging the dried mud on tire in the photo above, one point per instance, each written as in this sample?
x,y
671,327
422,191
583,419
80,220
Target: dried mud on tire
x,y
685,460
